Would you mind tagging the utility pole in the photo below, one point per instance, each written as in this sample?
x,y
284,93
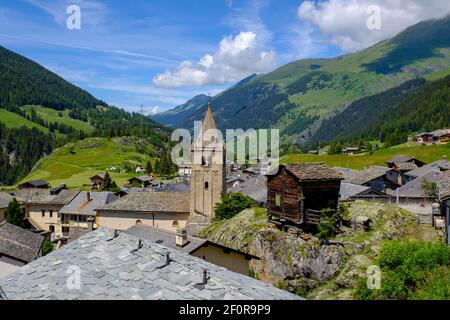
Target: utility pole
x,y
142,123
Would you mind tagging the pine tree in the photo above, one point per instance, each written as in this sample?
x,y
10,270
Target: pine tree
x,y
149,168
109,184
14,214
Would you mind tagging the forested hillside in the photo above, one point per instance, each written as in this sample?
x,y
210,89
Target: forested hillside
x,y
362,115
20,149
390,117
50,111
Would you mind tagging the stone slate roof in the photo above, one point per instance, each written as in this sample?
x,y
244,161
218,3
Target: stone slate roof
x,y
255,188
405,166
62,198
414,188
165,238
444,185
400,159
37,183
19,244
5,199
438,165
310,172
362,176
112,269
176,202
349,190
81,206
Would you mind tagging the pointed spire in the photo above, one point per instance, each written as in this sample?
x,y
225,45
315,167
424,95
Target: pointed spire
x,y
209,122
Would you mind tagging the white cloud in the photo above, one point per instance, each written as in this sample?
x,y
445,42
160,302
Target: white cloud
x,y
344,22
235,58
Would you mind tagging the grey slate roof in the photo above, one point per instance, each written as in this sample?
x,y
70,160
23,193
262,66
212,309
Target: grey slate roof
x,y
18,243
5,199
112,270
414,188
163,237
36,183
255,188
400,159
444,185
62,198
310,171
151,202
438,165
81,206
349,190
362,176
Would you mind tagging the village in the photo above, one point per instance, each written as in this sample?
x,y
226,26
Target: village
x,y
168,218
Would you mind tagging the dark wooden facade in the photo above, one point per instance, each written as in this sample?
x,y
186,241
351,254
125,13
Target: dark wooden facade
x,y
298,197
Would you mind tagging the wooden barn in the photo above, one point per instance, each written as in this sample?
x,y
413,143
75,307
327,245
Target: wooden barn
x,y
297,194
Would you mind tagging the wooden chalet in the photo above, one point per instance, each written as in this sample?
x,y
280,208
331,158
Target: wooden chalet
x,y
298,194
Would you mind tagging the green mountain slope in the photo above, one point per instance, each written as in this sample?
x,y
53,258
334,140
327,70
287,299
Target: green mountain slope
x,y
297,97
74,163
37,102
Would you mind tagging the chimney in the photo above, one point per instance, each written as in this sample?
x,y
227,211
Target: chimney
x,y
88,196
181,237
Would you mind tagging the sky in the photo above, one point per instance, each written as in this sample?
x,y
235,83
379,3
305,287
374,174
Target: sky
x,y
159,53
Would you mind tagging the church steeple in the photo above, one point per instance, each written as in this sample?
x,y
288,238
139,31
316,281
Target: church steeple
x,y
208,178
208,122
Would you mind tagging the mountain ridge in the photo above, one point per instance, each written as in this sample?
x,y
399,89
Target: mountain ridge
x,y
299,96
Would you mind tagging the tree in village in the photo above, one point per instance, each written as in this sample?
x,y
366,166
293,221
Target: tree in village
x,y
231,205
109,184
149,167
14,214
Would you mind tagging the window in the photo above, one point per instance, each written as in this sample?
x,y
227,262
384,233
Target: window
x,y
278,200
206,185
43,213
175,224
138,221
51,213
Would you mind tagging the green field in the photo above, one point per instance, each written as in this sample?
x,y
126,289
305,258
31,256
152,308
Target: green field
x,y
13,120
52,115
75,163
427,154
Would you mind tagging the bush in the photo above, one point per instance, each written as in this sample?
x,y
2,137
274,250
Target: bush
x,y
14,214
436,286
409,271
327,226
231,205
47,247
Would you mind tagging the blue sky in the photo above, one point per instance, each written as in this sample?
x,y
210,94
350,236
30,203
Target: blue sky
x,y
161,53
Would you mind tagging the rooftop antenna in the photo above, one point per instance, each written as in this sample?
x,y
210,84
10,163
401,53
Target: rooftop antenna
x,y
142,122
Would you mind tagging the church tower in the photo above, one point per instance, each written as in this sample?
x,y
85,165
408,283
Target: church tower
x,y
208,178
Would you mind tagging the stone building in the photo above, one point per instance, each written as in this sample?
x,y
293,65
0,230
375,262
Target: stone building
x,y
208,176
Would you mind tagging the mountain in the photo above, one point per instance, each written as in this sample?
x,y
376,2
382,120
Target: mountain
x,y
176,116
40,111
298,97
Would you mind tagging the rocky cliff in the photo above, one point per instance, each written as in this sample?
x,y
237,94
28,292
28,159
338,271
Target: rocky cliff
x,y
311,267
